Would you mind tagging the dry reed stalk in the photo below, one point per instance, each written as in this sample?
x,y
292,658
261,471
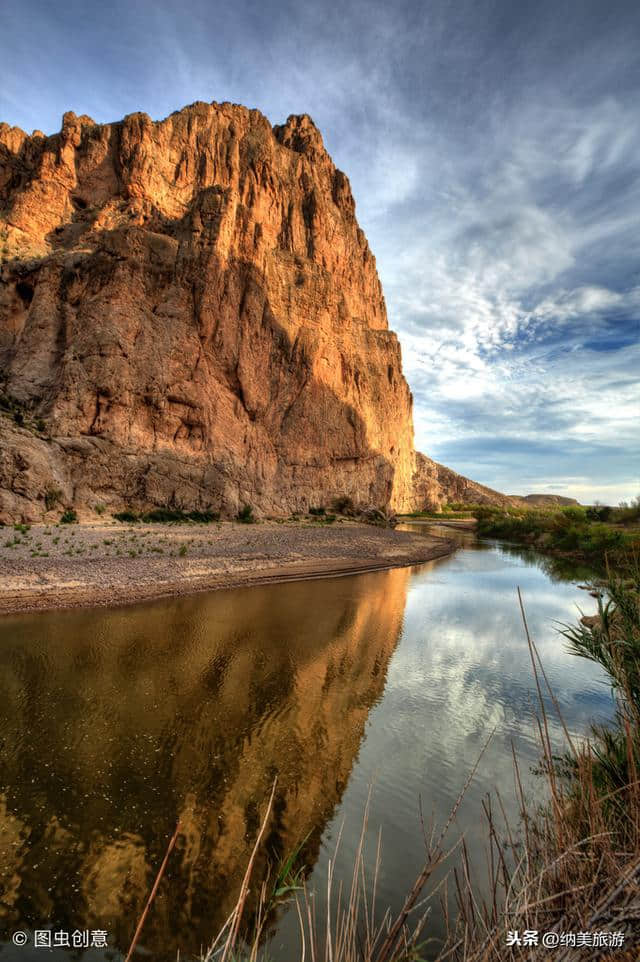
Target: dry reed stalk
x,y
139,927
573,852
244,888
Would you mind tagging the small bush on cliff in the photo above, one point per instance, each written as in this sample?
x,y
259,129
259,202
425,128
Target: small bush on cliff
x,y
343,505
69,516
51,498
318,512
245,515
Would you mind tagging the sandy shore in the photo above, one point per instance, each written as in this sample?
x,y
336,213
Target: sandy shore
x,y
62,566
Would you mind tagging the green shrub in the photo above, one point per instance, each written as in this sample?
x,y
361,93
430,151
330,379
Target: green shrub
x,y
568,530
317,512
127,516
627,512
575,512
18,417
183,550
99,508
204,517
41,426
168,515
69,516
245,515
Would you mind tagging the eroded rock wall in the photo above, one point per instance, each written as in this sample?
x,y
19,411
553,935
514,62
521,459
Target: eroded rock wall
x,y
191,313
436,485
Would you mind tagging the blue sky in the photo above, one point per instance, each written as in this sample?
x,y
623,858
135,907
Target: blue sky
x,y
494,153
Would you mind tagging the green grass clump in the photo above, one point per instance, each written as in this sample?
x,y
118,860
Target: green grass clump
x,y
68,517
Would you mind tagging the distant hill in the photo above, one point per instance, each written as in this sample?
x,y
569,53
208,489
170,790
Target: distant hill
x,y
547,499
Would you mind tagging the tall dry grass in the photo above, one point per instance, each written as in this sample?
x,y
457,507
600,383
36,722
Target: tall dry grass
x,y
349,930
575,864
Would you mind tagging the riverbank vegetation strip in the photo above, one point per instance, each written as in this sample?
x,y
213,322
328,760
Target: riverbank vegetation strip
x,y
606,538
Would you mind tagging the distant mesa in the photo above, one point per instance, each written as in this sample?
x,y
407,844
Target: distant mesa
x,y
549,499
190,315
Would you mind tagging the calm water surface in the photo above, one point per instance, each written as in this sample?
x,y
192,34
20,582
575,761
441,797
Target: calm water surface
x,y
115,725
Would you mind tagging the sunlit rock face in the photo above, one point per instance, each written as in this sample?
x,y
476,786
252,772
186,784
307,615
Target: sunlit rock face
x,y
192,310
190,710
435,485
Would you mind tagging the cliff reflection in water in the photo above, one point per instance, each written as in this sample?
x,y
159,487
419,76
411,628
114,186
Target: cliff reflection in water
x,y
118,723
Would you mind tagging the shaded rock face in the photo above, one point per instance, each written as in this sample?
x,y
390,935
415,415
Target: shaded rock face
x,y
191,313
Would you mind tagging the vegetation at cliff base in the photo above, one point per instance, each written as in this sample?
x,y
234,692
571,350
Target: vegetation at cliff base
x,y
165,516
245,515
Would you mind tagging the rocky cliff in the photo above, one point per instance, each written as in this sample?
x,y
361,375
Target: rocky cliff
x,y
191,316
436,485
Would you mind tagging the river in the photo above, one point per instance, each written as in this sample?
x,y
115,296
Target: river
x,y
118,724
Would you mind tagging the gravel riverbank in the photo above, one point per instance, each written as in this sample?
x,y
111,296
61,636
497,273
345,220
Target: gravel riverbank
x,y
107,563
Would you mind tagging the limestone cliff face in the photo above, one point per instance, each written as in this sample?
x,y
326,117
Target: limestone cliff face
x,y
189,313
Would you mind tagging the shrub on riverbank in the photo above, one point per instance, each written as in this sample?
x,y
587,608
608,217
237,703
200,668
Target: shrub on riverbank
x,y
570,531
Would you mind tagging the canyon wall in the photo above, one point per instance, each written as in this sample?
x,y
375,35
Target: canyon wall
x,y
435,485
191,316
